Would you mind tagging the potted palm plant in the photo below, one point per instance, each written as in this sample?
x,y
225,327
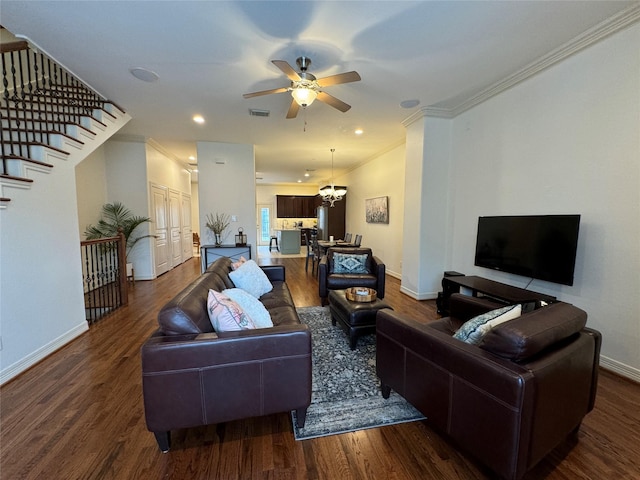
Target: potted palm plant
x,y
218,223
116,216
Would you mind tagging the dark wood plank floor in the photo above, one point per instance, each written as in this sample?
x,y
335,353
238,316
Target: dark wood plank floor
x,y
79,415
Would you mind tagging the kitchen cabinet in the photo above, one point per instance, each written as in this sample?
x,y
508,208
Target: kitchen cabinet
x,y
295,206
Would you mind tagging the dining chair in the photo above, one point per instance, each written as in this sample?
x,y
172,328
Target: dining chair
x,y
357,241
311,252
347,238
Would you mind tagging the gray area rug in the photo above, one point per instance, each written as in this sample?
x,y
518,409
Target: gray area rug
x,y
346,391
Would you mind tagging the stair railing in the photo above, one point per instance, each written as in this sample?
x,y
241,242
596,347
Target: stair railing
x,y
104,276
38,97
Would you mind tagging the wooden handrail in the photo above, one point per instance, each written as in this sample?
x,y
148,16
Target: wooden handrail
x,y
14,46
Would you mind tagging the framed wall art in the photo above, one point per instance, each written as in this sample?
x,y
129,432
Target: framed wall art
x,y
377,210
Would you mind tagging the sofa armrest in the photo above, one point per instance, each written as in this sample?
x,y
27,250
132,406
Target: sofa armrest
x,y
379,270
323,272
275,273
200,379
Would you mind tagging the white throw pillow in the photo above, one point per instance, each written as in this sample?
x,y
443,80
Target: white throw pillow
x,y
250,277
251,306
226,315
472,331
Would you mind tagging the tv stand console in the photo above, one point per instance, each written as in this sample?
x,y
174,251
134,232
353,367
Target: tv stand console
x,y
499,293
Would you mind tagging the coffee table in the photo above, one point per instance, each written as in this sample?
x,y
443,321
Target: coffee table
x,y
357,318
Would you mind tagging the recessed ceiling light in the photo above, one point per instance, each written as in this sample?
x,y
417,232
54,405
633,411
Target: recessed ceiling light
x,y
410,103
299,181
144,74
306,174
198,119
191,157
358,131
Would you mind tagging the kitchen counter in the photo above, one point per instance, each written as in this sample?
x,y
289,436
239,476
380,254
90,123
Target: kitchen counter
x,y
289,241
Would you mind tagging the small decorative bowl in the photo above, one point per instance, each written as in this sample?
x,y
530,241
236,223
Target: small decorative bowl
x,y
360,294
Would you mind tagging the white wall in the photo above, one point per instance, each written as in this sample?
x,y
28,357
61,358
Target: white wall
x,y
381,176
127,183
565,141
227,187
91,188
41,297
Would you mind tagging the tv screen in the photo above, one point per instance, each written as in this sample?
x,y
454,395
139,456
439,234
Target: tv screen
x,y
536,246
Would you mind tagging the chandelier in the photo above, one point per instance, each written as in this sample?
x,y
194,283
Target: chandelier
x,y
330,193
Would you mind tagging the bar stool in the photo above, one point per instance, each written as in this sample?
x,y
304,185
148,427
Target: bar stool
x,y
273,237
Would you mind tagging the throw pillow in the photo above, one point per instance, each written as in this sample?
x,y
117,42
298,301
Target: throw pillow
x,y
250,305
350,263
250,277
225,314
238,264
475,329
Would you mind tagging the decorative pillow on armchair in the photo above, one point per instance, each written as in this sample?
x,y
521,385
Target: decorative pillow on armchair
x,y
473,331
350,263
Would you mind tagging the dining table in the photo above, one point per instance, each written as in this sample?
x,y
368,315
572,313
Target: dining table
x,y
326,244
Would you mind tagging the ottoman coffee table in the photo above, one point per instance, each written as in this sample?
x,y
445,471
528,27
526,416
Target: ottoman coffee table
x,y
357,318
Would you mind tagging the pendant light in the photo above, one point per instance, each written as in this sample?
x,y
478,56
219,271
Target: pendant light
x,y
331,193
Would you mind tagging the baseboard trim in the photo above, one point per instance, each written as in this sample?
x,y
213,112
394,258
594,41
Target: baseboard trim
x,y
419,296
620,368
40,354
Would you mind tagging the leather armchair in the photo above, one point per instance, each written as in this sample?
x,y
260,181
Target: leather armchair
x,y
507,401
329,280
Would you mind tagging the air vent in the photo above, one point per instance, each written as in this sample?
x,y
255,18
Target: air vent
x,y
259,113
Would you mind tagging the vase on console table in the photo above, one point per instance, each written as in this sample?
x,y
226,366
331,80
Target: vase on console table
x,y
218,239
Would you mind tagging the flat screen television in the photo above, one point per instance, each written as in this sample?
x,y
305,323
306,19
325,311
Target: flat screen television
x,y
536,246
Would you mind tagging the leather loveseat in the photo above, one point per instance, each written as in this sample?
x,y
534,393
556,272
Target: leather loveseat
x,y
509,400
330,279
192,375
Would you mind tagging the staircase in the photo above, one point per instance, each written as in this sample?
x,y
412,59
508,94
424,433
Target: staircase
x,y
50,122
48,116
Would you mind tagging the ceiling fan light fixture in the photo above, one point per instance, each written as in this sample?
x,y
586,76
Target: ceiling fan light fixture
x,y
304,96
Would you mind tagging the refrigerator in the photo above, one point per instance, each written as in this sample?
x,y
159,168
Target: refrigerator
x,y
331,220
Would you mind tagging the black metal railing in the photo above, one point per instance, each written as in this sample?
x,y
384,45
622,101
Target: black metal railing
x,y
104,276
39,98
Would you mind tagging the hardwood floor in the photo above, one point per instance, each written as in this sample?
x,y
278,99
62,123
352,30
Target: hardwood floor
x,y
79,415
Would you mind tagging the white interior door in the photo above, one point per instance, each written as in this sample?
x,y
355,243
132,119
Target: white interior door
x,y
175,208
159,201
265,223
187,231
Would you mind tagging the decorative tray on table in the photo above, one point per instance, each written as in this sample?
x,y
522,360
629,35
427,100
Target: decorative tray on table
x,y
360,294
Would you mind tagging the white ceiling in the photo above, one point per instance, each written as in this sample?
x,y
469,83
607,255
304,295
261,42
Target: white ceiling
x,y
208,53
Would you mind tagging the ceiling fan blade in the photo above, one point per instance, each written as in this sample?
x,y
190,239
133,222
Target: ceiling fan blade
x,y
266,92
293,109
339,78
287,70
333,101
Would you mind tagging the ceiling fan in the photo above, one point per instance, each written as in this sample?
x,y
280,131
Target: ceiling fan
x,y
305,87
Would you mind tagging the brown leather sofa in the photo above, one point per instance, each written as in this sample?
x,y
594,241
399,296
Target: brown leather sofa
x,y
194,376
329,280
507,401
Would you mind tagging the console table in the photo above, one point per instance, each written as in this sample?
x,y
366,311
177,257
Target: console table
x,y
210,253
492,290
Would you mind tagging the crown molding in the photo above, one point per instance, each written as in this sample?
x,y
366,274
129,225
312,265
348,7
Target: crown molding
x,y
604,29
